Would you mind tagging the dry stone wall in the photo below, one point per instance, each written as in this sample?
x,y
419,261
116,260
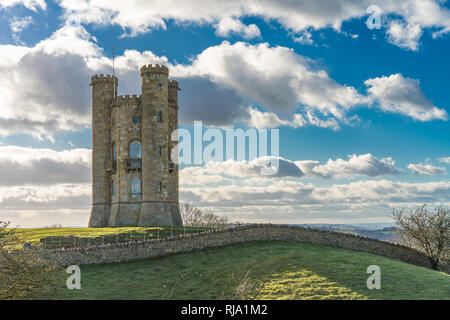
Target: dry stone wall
x,y
129,251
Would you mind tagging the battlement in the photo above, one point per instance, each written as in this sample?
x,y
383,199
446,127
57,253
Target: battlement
x,y
128,99
173,84
154,69
104,78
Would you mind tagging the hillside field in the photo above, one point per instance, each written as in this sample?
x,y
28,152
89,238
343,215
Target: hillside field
x,y
290,271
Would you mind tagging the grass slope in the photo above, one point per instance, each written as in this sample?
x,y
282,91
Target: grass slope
x,y
303,271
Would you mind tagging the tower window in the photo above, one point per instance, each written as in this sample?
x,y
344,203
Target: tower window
x,y
159,116
159,187
114,152
135,150
159,85
159,151
113,190
136,119
136,186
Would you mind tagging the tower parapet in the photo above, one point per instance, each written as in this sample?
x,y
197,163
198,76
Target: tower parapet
x,y
154,70
103,77
128,99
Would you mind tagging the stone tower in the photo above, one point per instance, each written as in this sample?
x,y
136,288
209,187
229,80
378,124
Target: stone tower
x,y
135,182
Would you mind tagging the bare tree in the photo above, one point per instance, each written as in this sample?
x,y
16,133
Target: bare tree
x,y
22,274
426,230
195,217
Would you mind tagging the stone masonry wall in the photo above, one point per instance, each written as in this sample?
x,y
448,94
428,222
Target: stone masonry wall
x,y
129,251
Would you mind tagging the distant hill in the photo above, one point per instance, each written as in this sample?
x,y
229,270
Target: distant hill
x,y
381,231
356,226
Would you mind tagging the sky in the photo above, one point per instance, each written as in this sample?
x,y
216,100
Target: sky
x,y
357,89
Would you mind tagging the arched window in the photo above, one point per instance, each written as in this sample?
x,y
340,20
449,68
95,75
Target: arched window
x,y
159,116
159,187
114,152
159,151
135,150
135,186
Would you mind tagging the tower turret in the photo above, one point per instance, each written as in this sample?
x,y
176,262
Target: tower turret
x,y
173,166
104,89
155,127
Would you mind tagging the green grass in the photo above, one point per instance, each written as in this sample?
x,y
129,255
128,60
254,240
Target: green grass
x,y
302,271
34,235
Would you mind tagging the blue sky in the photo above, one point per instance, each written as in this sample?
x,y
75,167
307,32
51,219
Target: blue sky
x,y
372,105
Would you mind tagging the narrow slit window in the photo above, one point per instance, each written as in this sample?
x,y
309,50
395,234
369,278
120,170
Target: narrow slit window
x,y
135,150
159,116
159,187
135,186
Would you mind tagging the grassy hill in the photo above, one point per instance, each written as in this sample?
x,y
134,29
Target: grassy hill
x,y
35,235
290,271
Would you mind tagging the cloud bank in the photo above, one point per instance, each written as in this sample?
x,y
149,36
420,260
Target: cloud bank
x,y
404,21
256,85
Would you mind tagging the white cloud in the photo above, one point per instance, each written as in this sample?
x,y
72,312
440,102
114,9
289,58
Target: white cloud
x,y
49,186
137,16
229,26
304,38
402,95
44,88
295,202
34,205
199,176
276,78
41,186
29,4
69,40
404,35
17,24
49,83
38,166
444,159
417,16
275,200
259,119
40,194
245,168
356,165
426,169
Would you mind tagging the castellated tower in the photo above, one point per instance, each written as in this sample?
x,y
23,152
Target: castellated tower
x,y
135,182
